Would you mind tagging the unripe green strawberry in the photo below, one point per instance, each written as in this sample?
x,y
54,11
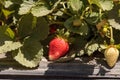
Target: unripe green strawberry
x,y
105,30
58,47
77,22
111,54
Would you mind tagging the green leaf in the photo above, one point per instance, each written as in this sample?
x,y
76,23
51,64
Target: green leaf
x,y
26,6
82,30
92,18
96,2
1,1
43,8
39,11
25,25
103,4
3,35
76,5
92,48
78,45
95,44
119,13
10,33
106,4
9,46
41,30
114,23
7,12
5,30
29,54
113,17
17,1
34,27
8,3
116,35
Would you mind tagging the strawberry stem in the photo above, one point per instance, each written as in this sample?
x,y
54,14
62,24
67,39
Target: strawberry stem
x,y
111,36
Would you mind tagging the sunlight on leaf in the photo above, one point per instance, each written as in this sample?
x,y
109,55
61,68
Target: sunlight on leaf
x,y
76,5
106,4
92,18
9,46
44,9
40,11
92,48
103,4
8,4
26,6
29,54
114,24
113,17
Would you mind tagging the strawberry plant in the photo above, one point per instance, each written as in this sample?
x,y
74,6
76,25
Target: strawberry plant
x,y
29,29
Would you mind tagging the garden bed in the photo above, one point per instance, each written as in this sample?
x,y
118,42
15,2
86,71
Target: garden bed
x,y
80,68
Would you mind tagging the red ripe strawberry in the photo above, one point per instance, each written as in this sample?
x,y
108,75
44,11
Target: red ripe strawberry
x,y
58,47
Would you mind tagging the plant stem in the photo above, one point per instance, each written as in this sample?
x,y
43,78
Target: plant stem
x,y
66,12
34,22
111,36
83,13
61,23
100,13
